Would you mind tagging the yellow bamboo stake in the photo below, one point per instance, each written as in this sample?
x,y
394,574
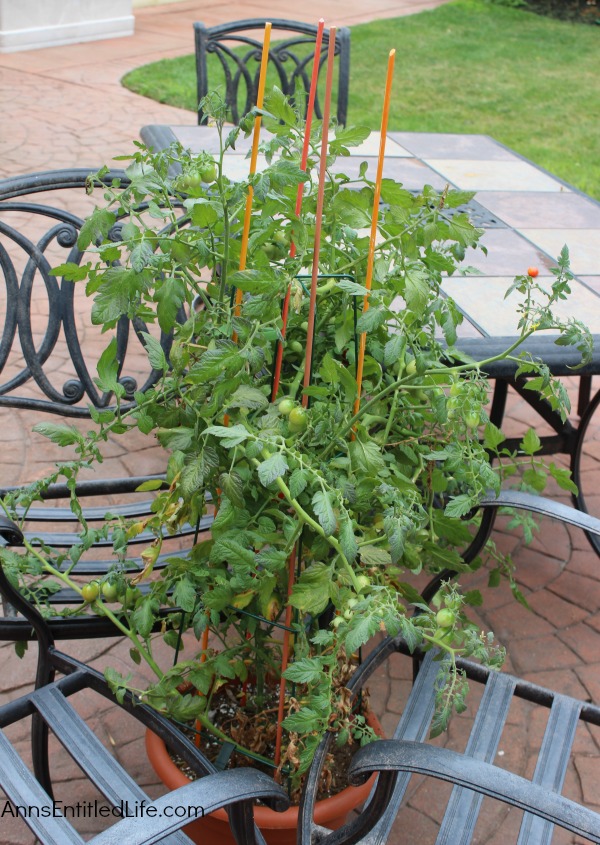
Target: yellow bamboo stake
x,y
371,254
254,156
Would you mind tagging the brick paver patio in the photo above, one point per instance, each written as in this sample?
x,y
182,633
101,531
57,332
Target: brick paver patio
x,y
64,107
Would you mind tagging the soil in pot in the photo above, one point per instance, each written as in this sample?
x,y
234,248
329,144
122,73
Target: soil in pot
x,y
258,733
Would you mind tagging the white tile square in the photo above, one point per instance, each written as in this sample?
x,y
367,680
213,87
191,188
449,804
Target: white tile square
x,y
494,175
583,244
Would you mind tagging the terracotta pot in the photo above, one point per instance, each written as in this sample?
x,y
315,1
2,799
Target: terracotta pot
x,y
277,828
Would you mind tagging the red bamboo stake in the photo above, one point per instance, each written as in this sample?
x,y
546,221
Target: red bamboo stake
x,y
374,217
285,657
319,216
299,196
246,229
308,359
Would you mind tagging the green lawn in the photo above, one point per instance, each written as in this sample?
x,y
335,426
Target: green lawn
x,y
467,66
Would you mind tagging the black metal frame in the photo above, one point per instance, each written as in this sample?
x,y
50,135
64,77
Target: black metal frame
x,y
23,266
50,711
241,71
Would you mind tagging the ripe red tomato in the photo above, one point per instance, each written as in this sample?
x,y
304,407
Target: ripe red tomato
x,y
533,272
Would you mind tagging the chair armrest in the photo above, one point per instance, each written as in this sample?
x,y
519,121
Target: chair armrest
x,y
544,507
10,532
239,788
395,756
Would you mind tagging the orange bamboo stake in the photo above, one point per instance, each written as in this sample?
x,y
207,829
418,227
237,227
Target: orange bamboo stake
x,y
371,255
319,216
253,157
299,196
247,214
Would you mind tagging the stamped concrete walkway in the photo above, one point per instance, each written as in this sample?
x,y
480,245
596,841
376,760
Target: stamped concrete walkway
x,y
64,107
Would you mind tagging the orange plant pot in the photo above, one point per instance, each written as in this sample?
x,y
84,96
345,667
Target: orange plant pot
x,y
277,828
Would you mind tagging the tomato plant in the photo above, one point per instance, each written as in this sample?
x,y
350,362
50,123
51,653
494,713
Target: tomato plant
x,y
364,492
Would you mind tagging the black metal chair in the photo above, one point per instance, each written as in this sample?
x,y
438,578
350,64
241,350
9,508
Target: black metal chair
x,y
473,772
292,59
51,711
48,358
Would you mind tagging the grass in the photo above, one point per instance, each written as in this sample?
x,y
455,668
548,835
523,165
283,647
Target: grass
x,y
467,67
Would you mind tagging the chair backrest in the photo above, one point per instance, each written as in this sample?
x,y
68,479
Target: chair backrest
x,y
291,59
49,351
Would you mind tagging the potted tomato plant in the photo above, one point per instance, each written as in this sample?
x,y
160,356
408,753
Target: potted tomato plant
x,y
327,500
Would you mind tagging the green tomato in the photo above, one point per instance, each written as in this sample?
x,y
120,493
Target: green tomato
x,y
455,388
90,592
286,406
296,346
110,590
281,239
411,367
270,250
298,419
208,172
445,618
472,419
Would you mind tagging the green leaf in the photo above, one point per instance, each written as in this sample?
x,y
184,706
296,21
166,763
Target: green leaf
x,y
229,436
462,230
371,320
360,633
108,370
62,435
274,467
71,272
228,550
416,288
346,536
322,502
354,208
394,349
259,281
365,455
178,438
492,436
95,228
303,721
204,212
247,397
298,482
310,593
184,595
170,297
306,670
144,616
563,478
348,136
233,486
215,362
156,354
151,484
374,556
531,443
353,288
277,104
